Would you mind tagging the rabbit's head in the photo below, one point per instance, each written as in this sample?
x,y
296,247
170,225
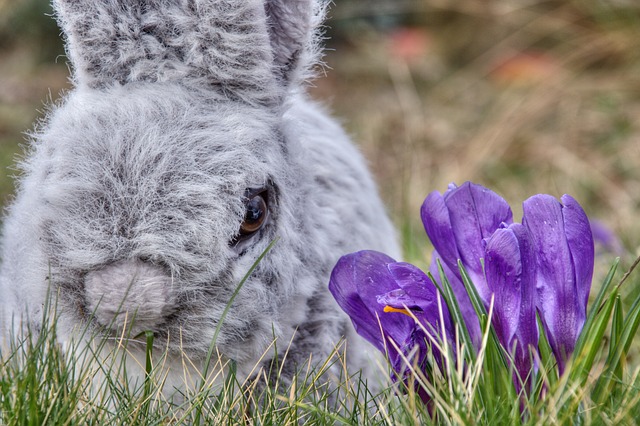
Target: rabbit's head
x,y
155,203
184,150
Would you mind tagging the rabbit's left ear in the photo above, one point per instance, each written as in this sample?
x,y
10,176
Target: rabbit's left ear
x,y
293,31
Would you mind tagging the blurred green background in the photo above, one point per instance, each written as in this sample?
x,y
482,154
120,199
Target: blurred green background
x,y
522,96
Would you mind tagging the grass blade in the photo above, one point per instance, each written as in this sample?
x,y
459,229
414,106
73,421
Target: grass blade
x,y
228,306
613,369
596,307
547,359
583,358
454,309
476,301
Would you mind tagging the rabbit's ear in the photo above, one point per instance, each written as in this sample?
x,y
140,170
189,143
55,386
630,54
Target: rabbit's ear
x,y
221,43
293,29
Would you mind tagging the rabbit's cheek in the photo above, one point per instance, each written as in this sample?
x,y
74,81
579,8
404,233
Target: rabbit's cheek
x,y
130,295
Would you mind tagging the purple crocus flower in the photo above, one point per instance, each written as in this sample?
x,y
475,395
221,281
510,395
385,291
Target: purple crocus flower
x,y
564,249
510,267
605,238
543,264
458,223
377,293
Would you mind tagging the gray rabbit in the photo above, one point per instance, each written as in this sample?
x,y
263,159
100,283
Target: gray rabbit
x,y
185,148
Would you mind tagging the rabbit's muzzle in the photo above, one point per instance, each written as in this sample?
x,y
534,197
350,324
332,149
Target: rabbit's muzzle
x,y
129,295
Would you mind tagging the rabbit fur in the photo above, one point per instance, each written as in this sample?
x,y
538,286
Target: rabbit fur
x,y
134,185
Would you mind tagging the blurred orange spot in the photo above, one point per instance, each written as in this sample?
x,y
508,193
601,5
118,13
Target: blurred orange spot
x,y
409,43
525,68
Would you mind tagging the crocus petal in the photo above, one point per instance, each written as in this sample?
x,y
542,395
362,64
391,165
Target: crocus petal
x,y
356,281
464,302
475,213
415,283
581,246
488,209
562,307
503,267
437,224
605,238
527,331
510,266
422,294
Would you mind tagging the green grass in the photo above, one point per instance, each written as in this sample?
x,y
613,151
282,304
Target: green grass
x,y
40,383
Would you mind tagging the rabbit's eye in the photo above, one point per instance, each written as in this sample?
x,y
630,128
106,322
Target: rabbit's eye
x,y
256,213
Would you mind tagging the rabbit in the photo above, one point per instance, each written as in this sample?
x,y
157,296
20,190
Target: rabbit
x,y
186,146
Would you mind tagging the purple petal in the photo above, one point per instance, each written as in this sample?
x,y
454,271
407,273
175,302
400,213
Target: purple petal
x,y
605,238
560,304
398,299
503,266
415,283
475,213
527,331
435,218
464,302
422,294
510,266
580,241
356,281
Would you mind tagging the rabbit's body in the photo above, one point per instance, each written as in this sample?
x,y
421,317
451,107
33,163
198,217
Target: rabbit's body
x,y
135,188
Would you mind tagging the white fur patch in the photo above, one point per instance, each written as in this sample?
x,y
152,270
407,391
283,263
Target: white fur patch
x,y
129,294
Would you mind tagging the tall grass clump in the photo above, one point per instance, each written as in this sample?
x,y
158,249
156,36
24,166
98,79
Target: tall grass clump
x,y
42,382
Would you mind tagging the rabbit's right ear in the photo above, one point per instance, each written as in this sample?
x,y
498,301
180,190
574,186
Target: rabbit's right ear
x,y
293,30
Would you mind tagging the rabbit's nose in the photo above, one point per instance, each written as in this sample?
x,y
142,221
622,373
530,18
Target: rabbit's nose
x,y
131,295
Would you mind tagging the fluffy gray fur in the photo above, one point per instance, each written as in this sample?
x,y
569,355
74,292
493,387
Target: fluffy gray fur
x,y
134,186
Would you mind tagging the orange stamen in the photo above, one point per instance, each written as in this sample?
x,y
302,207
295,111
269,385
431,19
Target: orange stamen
x,y
392,309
